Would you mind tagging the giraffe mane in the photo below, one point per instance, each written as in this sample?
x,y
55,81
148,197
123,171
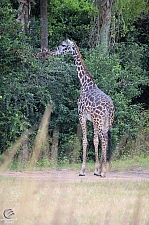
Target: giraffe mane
x,y
87,72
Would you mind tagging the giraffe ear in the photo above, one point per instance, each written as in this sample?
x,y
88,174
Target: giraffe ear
x,y
68,41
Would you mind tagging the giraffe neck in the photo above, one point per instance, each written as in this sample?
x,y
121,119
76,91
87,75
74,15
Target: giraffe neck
x,y
86,79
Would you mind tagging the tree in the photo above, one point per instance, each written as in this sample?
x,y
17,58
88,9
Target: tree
x,y
114,19
24,13
43,24
105,12
101,29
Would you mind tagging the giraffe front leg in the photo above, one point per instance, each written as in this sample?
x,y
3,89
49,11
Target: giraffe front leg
x,y
84,158
82,171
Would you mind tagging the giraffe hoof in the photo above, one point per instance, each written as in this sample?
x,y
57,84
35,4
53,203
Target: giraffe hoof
x,y
81,175
97,174
103,175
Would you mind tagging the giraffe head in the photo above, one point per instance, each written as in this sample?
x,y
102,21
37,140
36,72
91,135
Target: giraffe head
x,y
64,47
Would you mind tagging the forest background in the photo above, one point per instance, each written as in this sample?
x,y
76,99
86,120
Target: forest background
x,y
113,37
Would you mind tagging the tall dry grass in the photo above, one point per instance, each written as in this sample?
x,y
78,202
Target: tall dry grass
x,y
52,203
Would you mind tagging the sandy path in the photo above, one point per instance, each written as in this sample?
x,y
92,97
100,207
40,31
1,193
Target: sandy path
x,y
66,176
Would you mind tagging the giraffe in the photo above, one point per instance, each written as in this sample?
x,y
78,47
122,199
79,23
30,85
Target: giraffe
x,y
93,105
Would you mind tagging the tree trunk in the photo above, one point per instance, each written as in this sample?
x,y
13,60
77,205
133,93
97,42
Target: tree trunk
x,y
100,33
24,13
54,149
105,8
43,24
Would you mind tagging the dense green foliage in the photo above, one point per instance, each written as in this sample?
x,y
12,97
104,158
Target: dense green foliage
x,y
126,13
70,19
66,19
24,92
28,84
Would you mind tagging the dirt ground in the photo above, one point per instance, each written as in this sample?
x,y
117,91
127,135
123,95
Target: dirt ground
x,y
67,176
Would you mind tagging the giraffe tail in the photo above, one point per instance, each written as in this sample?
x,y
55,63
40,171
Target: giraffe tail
x,y
109,150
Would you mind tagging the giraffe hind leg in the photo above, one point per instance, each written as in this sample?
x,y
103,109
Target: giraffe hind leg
x,y
104,142
96,141
102,164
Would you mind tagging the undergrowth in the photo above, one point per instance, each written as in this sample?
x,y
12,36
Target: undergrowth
x,y
124,163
